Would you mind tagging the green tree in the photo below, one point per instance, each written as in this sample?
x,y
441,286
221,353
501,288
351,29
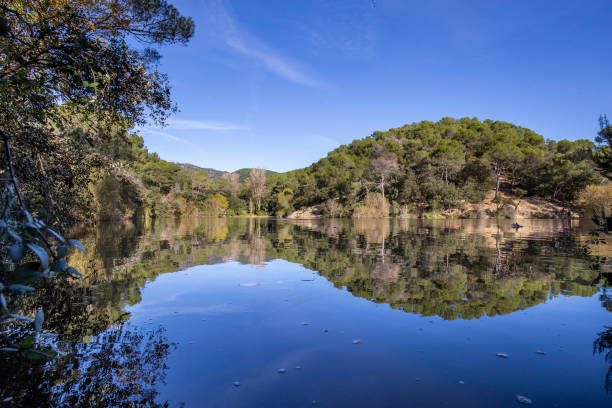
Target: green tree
x,y
503,158
604,154
450,155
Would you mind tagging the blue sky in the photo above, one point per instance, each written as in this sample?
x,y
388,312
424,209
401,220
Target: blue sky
x,y
279,83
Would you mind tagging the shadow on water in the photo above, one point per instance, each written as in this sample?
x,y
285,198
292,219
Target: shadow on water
x,y
451,269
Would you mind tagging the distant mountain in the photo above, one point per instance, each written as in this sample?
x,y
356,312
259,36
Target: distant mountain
x,y
215,174
244,173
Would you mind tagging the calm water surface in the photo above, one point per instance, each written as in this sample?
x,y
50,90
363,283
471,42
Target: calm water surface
x,y
205,312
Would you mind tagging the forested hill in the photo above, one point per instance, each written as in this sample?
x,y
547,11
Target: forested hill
x,y
439,165
421,168
214,174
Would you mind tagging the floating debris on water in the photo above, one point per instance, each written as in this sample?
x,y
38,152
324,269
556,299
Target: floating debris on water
x,y
524,400
248,284
540,352
282,370
356,341
236,383
502,355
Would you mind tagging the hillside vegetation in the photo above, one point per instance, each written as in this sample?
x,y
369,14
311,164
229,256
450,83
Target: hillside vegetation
x,y
429,166
418,169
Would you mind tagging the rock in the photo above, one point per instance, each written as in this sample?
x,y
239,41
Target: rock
x,y
524,400
502,355
356,341
282,370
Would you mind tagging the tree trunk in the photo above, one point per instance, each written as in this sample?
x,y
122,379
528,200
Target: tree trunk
x,y
446,175
498,177
382,185
250,206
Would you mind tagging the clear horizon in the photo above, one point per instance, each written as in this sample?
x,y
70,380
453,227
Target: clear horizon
x,y
281,86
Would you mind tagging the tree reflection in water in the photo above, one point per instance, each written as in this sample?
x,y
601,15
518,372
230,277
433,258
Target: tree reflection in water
x,y
119,368
451,269
603,341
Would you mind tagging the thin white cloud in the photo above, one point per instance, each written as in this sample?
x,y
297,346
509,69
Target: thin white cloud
x,y
170,136
184,124
235,37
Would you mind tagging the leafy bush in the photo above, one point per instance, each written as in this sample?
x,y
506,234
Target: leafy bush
x,y
374,205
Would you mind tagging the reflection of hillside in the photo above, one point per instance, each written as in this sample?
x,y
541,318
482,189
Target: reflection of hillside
x,y
452,269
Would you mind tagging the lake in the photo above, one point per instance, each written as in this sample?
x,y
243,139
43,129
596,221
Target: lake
x,y
330,313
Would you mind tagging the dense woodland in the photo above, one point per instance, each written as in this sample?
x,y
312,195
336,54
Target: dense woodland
x,y
417,168
421,167
77,78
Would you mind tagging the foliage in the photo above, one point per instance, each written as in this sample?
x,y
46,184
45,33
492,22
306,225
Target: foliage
x,y
35,252
431,166
604,154
596,200
374,205
256,187
284,207
216,205
75,75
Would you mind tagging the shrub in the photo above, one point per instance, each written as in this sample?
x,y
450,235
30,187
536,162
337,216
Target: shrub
x,y
216,205
374,205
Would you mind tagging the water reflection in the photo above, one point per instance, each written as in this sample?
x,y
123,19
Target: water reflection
x,y
451,269
121,367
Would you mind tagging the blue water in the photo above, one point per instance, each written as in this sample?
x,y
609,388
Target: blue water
x,y
205,312
226,333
